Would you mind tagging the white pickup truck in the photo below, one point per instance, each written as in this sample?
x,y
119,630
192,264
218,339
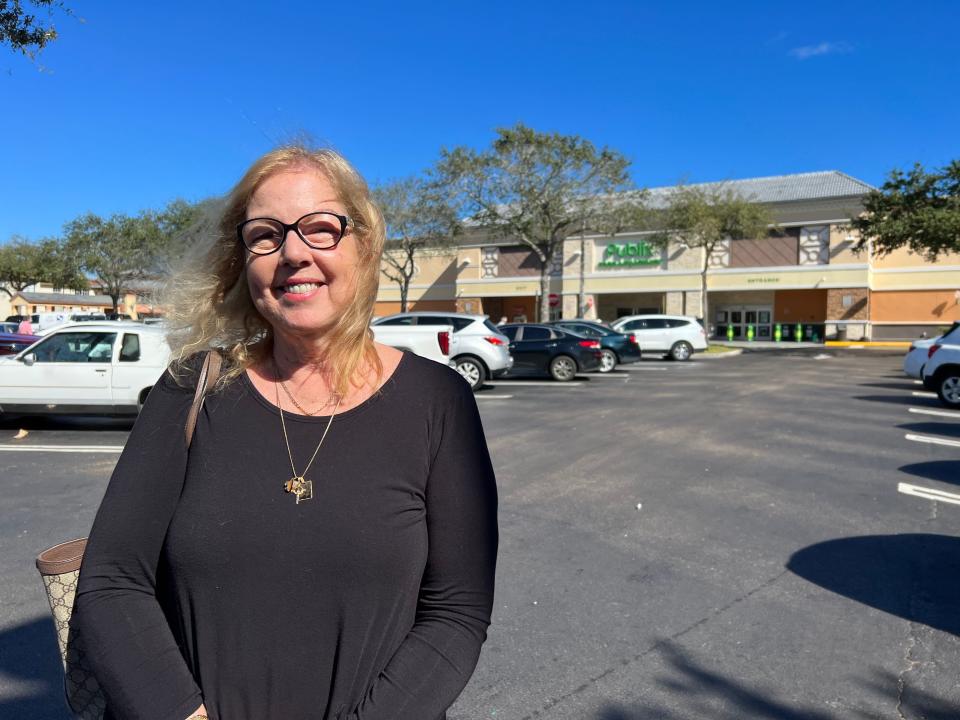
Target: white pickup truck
x,y
89,368
429,341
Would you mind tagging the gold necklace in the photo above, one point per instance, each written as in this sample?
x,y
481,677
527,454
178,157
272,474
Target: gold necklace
x,y
298,484
300,407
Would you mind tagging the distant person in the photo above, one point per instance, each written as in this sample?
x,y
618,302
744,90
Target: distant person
x,y
503,320
25,327
327,546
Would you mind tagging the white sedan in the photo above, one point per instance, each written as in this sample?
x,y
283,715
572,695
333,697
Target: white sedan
x,y
916,358
918,353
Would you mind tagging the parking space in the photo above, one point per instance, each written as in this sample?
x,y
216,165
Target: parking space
x,y
661,530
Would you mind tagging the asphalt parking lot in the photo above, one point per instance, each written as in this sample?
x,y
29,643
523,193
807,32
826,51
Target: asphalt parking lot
x,y
767,536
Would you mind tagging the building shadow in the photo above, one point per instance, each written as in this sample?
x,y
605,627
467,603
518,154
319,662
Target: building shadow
x,y
695,691
913,576
30,658
944,429
947,471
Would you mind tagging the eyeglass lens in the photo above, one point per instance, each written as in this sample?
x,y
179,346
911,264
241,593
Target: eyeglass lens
x,y
319,230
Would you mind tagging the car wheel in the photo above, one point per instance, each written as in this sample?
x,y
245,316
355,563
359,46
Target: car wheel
x,y
681,351
608,360
948,389
563,368
471,370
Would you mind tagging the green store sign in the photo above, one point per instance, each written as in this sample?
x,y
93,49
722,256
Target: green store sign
x,y
633,254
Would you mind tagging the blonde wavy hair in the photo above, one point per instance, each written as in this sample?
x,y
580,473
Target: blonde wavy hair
x,y
208,300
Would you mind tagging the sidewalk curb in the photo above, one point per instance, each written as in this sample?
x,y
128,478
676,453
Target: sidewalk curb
x,y
716,356
868,343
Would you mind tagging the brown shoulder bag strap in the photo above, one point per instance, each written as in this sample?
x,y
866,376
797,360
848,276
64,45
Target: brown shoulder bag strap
x,y
208,378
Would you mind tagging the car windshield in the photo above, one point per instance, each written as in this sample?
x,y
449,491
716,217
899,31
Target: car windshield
x,y
492,328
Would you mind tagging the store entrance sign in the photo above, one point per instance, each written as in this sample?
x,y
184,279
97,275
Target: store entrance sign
x,y
630,255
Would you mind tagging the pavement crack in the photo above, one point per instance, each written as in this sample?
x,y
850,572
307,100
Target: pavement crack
x,y
909,665
625,662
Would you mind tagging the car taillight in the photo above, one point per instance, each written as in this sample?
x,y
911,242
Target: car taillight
x,y
633,339
494,340
932,350
592,344
443,337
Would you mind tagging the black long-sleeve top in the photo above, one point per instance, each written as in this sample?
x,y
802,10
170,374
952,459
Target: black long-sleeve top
x,y
203,581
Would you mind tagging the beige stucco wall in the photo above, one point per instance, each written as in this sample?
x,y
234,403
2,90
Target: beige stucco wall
x,y
742,297
905,258
682,258
759,279
435,280
922,278
509,288
841,248
653,282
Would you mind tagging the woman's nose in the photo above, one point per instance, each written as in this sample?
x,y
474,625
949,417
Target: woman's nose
x,y
294,250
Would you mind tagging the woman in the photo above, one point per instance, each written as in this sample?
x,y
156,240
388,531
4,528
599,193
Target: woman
x,y
326,548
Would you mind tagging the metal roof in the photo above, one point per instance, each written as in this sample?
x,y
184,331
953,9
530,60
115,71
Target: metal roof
x,y
821,185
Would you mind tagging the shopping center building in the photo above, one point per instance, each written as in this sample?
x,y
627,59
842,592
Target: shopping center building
x,y
805,273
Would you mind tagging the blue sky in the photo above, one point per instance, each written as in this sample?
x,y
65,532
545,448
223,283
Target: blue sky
x,y
145,102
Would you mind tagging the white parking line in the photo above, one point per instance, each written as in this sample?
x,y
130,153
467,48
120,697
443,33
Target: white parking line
x,y
928,493
604,376
923,394
930,440
918,382
938,413
63,448
483,396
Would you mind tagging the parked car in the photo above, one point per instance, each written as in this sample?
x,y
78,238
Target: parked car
x,y
545,350
479,350
616,348
9,327
12,343
941,372
916,356
677,337
432,343
104,368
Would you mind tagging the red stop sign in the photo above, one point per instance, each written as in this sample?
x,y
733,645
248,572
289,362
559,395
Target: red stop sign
x,y
553,299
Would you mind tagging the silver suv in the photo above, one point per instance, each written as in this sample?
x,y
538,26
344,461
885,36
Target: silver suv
x,y
478,349
676,336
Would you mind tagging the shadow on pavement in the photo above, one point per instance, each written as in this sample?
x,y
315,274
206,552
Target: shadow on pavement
x,y
30,659
696,692
907,385
945,429
65,422
912,576
947,471
696,688
921,401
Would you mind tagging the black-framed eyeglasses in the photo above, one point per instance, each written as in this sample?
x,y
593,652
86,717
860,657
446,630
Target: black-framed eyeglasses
x,y
319,230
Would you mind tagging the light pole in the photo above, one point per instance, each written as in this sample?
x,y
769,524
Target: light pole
x,y
581,297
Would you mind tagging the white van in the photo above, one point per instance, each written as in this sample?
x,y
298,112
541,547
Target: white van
x,y
42,322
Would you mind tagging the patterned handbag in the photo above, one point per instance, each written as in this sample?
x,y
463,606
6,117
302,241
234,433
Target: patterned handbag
x,y
59,568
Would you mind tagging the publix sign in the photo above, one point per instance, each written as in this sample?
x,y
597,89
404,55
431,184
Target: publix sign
x,y
631,254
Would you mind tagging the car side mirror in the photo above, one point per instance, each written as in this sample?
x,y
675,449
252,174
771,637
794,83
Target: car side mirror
x,y
29,359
